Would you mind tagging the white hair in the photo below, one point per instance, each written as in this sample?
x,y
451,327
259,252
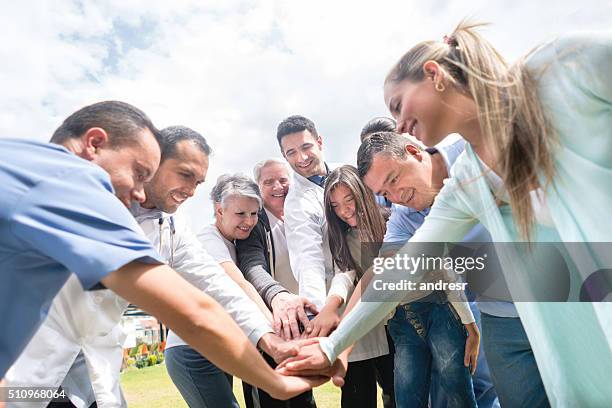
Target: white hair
x,y
260,165
240,185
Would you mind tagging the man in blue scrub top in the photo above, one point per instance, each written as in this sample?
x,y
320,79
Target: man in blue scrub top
x,y
59,214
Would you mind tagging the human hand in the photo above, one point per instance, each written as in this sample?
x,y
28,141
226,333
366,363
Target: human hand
x,y
472,344
280,349
323,324
310,360
287,309
285,387
336,371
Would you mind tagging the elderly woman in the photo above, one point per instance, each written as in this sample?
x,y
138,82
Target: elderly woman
x,y
237,202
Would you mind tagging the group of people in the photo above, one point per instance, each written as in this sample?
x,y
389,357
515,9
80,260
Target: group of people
x,y
278,290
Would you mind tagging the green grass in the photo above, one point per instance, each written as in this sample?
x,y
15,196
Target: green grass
x,y
151,387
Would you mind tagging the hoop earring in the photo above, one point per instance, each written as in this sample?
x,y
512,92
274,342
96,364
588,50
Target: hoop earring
x,y
440,87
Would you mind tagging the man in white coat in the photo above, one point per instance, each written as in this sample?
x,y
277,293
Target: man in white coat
x,y
312,262
87,322
305,225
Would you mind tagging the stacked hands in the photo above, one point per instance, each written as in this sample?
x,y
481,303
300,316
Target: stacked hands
x,y
295,344
299,354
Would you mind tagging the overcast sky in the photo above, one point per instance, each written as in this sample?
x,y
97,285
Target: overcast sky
x,y
232,70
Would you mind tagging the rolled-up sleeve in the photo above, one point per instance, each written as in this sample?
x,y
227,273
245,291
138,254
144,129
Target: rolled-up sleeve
x,y
342,285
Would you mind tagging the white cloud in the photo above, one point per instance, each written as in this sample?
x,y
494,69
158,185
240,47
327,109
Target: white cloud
x,y
233,69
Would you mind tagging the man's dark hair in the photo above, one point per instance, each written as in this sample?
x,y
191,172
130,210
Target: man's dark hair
x,y
379,124
172,135
294,124
119,119
391,144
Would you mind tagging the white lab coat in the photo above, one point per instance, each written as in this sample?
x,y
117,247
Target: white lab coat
x,y
77,321
88,321
307,240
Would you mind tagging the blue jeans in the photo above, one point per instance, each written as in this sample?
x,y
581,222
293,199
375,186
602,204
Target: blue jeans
x,y
199,381
484,389
426,335
513,367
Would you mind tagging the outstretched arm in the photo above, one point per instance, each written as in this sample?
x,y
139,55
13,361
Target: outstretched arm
x,y
203,323
232,270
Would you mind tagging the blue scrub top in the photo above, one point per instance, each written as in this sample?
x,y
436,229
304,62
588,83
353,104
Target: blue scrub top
x,y
58,215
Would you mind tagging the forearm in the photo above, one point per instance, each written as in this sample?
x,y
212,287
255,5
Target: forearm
x,y
207,275
363,283
263,282
332,304
342,285
233,272
194,316
359,322
360,317
354,300
463,310
312,284
254,296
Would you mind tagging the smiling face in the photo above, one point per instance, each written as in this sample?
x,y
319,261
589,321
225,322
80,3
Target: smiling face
x,y
177,177
419,110
130,166
274,185
342,201
304,153
237,218
405,181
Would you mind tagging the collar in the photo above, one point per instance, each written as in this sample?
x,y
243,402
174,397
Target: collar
x,y
141,213
320,180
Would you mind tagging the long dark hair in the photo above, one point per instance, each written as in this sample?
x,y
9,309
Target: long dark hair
x,y
370,220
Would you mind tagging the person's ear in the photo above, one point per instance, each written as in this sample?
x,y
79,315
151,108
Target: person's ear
x,y
320,141
218,209
93,140
414,151
433,72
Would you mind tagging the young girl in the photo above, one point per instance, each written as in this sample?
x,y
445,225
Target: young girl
x,y
537,167
354,218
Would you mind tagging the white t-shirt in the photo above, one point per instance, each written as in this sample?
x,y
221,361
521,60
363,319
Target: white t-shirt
x,y
216,245
282,272
221,250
